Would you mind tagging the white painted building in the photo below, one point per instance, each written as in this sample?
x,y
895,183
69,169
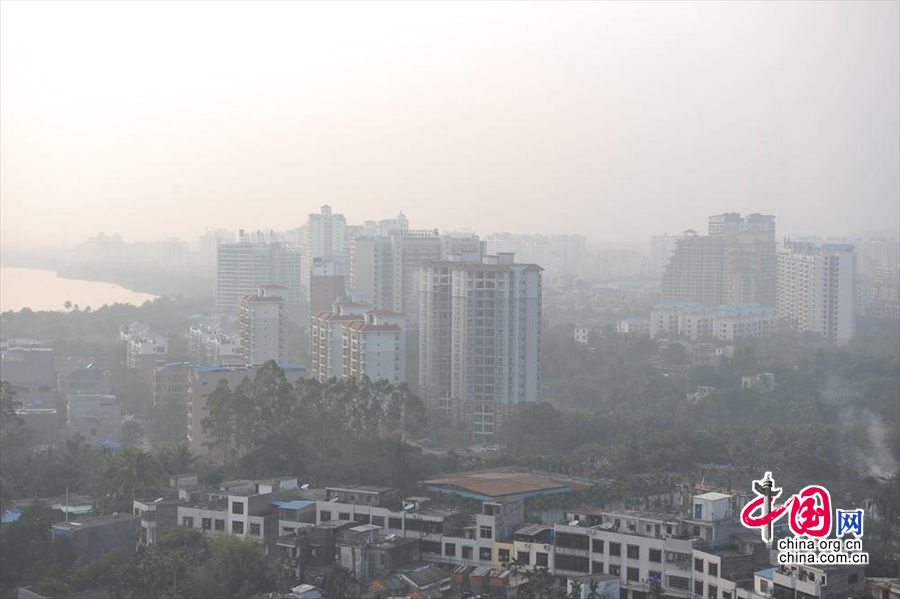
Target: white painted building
x,y
582,335
263,326
243,267
725,323
817,288
375,347
479,339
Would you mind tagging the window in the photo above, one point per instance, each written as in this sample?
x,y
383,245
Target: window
x,y
633,574
220,524
525,558
615,549
431,547
679,582
486,532
573,541
698,564
187,521
713,569
698,587
343,515
467,553
698,511
484,554
378,521
237,508
324,516
596,567
206,523
597,547
395,523
656,555
614,570
764,586
654,577
237,527
503,556
712,591
450,549
696,531
726,594
540,559
668,529
634,552
572,563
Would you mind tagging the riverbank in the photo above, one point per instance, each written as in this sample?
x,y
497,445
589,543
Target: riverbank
x,y
174,282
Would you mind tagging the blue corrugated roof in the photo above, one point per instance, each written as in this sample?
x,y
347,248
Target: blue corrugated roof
x,y
767,573
10,516
298,504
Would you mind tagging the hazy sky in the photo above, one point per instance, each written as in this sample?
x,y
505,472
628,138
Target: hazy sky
x,y
616,120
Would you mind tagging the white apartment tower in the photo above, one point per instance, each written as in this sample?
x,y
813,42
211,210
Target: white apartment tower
x,y
353,341
479,339
242,267
385,269
817,290
326,237
375,347
263,331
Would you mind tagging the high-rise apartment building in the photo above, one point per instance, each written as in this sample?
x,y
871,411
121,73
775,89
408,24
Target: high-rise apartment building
x,y
730,223
326,284
354,341
375,347
695,269
263,330
735,263
817,288
326,336
208,246
384,269
661,249
326,237
479,338
561,256
244,266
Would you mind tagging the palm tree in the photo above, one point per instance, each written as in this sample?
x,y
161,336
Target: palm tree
x,y
177,459
128,475
338,581
593,590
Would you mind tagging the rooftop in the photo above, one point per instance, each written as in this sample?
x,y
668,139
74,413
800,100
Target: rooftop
x,y
92,522
500,482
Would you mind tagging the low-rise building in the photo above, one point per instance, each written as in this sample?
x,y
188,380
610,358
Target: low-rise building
x,y
634,326
764,382
97,417
725,322
93,537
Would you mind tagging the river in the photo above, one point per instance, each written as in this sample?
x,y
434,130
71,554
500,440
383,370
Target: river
x,y
43,290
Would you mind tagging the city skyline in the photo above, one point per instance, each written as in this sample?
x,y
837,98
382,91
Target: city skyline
x,y
584,132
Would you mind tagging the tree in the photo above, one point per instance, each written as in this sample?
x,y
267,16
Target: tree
x,y
177,459
128,475
132,433
338,582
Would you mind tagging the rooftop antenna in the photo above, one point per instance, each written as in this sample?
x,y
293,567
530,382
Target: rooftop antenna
x,y
67,503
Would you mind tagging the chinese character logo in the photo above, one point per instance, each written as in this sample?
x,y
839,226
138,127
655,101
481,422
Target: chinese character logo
x,y
849,521
810,513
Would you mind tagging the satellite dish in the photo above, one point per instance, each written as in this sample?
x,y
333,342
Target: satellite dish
x,y
408,506
304,486
573,523
607,526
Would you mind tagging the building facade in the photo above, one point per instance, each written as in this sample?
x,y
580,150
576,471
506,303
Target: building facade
x,y
263,326
817,288
243,267
479,340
